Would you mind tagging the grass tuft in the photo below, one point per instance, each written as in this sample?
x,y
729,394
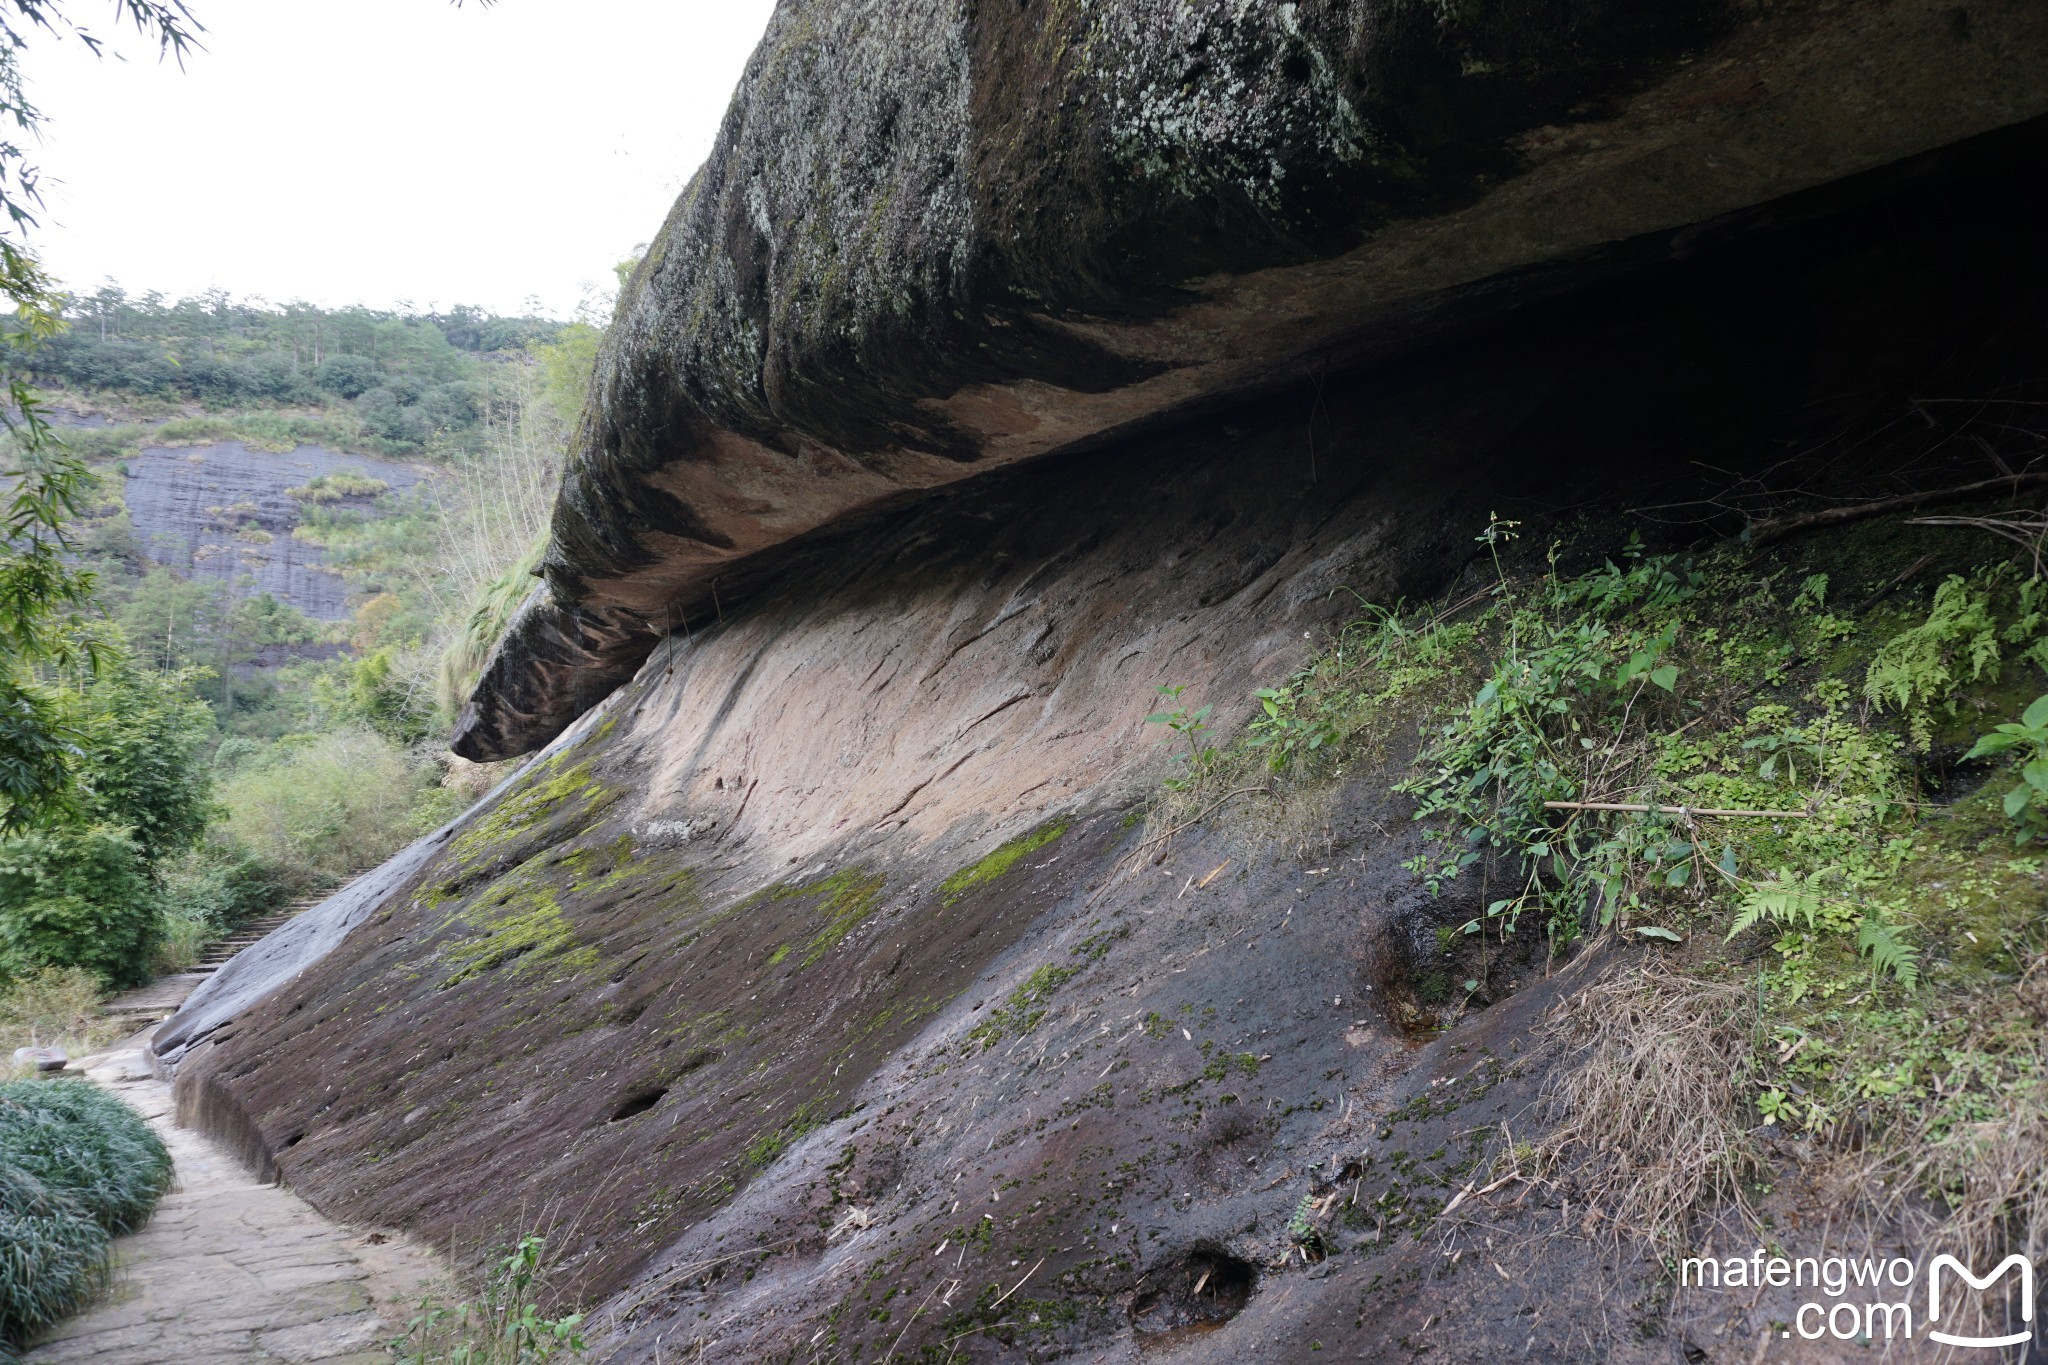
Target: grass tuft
x,y
77,1166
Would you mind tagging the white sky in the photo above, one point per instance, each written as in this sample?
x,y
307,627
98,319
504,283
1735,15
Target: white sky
x,y
378,151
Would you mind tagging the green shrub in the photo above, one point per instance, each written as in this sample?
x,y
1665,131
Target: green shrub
x,y
77,897
141,732
2026,804
53,1259
195,430
76,1166
320,808
501,1326
207,892
83,1143
342,483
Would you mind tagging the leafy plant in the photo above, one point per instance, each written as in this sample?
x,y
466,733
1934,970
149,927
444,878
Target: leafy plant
x,y
1303,1227
503,1325
1551,722
1960,642
77,897
76,1167
2026,804
1190,726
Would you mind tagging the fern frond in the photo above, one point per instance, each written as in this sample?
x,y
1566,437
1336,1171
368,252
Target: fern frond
x,y
1888,952
1781,902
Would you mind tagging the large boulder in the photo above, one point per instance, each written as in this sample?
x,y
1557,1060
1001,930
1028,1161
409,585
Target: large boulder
x,y
938,238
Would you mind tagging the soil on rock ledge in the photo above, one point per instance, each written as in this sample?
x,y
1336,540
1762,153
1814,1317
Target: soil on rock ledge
x,y
809,995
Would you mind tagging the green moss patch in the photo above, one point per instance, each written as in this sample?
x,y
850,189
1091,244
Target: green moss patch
x,y
844,898
1001,860
545,794
518,920
1024,1010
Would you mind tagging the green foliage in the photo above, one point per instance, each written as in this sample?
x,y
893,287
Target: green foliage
x,y
1000,860
318,808
462,662
2026,804
53,1259
1303,1228
76,897
1190,726
76,1166
503,1325
1921,670
376,694
342,483
140,736
54,1006
566,363
43,594
385,381
1582,661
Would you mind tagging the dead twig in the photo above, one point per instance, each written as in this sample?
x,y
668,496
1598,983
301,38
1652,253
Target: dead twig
x,y
1777,528
2028,530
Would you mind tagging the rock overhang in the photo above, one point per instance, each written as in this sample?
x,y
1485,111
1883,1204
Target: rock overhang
x,y
975,238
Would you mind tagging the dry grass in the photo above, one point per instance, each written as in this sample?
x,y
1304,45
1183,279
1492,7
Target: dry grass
x,y
56,1007
1650,1095
1993,1174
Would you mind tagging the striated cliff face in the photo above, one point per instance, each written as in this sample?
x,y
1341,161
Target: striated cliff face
x,y
817,992
820,989
939,239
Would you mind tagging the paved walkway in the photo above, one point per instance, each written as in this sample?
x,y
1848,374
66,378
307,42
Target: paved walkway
x,y
231,1271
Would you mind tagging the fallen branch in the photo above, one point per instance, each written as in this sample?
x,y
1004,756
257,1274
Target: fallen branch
x,y
1673,810
2028,530
1777,528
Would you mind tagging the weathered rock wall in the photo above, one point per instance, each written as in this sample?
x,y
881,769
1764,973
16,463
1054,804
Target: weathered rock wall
x,y
797,992
938,239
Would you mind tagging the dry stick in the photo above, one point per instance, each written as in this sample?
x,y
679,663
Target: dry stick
x,y
1674,810
891,1355
1185,824
1017,1286
1777,528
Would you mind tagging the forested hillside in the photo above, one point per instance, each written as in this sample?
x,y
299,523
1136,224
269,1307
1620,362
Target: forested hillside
x,y
224,745
379,380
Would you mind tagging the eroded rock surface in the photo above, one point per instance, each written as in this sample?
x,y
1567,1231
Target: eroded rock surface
x,y
223,513
817,994
936,239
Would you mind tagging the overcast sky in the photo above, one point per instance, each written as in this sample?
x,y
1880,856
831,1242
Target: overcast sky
x,y
374,151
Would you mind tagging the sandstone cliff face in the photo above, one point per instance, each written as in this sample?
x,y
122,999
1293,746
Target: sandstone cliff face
x,y
815,991
938,239
815,988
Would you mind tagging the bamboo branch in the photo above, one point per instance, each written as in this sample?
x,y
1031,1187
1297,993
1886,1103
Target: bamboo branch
x,y
1673,810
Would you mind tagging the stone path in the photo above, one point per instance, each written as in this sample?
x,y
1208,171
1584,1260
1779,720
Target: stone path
x,y
232,1271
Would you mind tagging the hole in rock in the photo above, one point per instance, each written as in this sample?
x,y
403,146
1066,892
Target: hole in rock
x,y
639,1102
1196,1294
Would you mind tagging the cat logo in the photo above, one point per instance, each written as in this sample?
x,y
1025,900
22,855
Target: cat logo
x,y
2026,1270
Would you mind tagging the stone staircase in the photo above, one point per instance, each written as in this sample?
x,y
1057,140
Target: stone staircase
x,y
159,1000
